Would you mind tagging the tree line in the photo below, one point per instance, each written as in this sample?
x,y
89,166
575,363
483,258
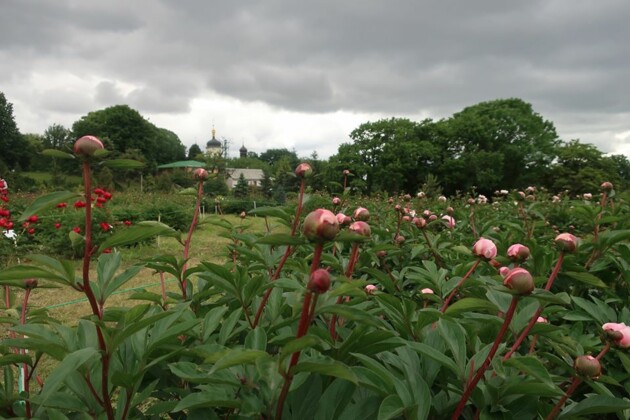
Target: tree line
x,y
499,144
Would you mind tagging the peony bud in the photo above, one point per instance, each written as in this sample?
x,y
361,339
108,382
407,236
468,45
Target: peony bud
x,y
400,239
518,253
346,172
319,281
303,170
566,242
606,186
407,197
420,222
588,196
433,218
519,280
542,320
421,194
200,174
618,333
30,284
504,271
448,221
87,145
336,201
343,219
588,366
381,254
485,248
442,199
426,291
361,214
360,228
242,215
320,225
370,289
450,211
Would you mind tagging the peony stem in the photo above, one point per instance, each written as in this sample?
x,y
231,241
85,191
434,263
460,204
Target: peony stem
x,y
534,317
354,256
456,288
471,386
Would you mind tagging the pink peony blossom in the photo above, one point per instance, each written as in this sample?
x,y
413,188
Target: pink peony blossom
x,y
485,248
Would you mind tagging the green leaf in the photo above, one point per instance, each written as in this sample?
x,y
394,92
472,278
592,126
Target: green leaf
x,y
212,320
435,355
327,367
238,357
137,233
22,272
586,278
46,201
69,364
595,404
204,399
123,164
390,408
352,314
14,359
271,212
57,154
532,366
471,305
278,239
298,344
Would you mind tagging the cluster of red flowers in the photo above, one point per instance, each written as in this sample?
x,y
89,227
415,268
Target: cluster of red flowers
x,y
28,225
102,196
4,190
5,214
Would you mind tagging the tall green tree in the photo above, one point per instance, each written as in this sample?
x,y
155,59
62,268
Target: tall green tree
x,y
241,189
194,151
14,151
58,137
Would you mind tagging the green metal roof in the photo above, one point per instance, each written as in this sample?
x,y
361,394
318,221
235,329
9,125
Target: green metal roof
x,y
183,164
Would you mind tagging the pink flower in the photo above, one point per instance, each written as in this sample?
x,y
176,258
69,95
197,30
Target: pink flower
x,y
360,228
362,214
343,219
319,281
518,252
420,222
485,248
87,145
504,271
542,320
588,196
619,333
426,291
320,225
336,201
606,186
303,170
519,280
449,221
566,242
370,289
200,174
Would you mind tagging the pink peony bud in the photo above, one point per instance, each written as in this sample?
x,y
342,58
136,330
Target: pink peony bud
x,y
519,280
588,366
200,174
346,172
432,218
606,186
406,218
420,222
319,281
450,211
518,252
588,196
421,195
485,248
542,320
30,284
398,208
381,254
87,145
342,219
242,215
303,170
370,289
504,271
407,197
619,333
360,228
448,221
566,242
320,225
442,199
427,291
361,214
336,201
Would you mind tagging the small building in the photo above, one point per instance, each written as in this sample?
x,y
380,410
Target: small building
x,y
253,177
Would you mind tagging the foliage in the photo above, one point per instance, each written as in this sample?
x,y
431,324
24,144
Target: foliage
x,y
241,188
14,153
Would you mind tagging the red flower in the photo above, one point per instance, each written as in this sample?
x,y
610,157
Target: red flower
x,y
107,251
107,195
31,231
33,219
57,225
25,225
99,191
79,204
9,225
76,229
101,200
5,213
3,222
105,226
4,198
62,205
127,223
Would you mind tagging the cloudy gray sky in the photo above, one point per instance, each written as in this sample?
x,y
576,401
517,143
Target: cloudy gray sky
x,y
297,74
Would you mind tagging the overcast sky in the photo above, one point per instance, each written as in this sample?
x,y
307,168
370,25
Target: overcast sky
x,y
303,75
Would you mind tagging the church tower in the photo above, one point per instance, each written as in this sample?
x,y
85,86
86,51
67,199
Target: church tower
x,y
243,151
213,147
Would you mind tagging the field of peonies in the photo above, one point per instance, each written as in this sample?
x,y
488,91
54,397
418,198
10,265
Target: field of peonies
x,y
414,307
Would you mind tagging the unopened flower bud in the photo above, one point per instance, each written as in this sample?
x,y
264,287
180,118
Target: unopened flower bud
x,y
420,222
346,172
319,281
518,253
30,283
432,218
606,186
343,219
360,228
519,280
87,145
336,201
242,215
381,254
320,225
566,242
200,174
450,211
362,214
407,197
370,289
504,271
448,220
400,239
618,333
426,291
588,367
303,170
485,248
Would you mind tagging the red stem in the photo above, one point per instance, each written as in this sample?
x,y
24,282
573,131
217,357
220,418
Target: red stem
x,y
454,291
26,375
534,317
193,225
163,286
354,254
438,260
472,221
471,386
